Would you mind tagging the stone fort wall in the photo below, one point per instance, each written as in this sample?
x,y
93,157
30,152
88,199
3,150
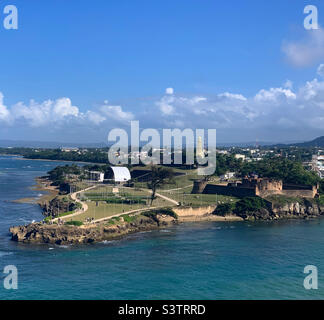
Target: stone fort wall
x,y
256,187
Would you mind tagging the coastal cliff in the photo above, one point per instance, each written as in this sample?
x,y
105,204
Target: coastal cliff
x,y
286,208
69,234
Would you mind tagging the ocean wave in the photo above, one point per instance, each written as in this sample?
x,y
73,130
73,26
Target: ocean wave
x,y
143,232
216,228
64,246
4,253
108,241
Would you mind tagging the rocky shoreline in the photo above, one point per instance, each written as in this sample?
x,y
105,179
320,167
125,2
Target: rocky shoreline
x,y
111,229
302,209
66,234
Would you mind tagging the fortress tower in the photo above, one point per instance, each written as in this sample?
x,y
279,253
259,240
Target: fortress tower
x,y
199,150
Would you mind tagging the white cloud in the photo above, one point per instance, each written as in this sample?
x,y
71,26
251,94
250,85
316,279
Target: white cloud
x,y
165,105
289,84
95,117
4,113
60,111
276,108
116,113
169,91
232,96
307,51
274,94
49,111
320,70
63,108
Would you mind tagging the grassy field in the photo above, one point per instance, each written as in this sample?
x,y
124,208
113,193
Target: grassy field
x,y
100,199
102,209
186,178
196,200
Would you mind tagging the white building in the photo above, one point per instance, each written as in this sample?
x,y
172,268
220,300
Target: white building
x,y
317,165
227,176
97,176
63,149
121,174
240,156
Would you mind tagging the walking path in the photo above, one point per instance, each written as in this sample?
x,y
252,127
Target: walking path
x,y
123,213
162,196
75,198
168,190
85,206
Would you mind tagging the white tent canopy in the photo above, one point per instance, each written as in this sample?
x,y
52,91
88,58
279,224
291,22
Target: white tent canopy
x,y
121,174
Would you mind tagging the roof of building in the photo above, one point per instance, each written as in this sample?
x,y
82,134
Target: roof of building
x,y
121,174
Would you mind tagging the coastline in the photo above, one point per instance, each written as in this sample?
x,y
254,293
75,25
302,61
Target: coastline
x,y
42,184
50,160
21,157
100,231
38,233
58,233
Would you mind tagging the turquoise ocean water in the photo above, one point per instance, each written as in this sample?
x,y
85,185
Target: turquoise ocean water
x,y
190,261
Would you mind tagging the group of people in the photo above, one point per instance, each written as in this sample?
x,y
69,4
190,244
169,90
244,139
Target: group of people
x,y
59,221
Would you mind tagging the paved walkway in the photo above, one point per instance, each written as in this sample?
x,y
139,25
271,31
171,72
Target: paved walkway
x,y
168,190
162,196
123,213
85,206
75,198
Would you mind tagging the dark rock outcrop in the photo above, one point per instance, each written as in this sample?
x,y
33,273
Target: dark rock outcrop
x,y
64,234
292,210
59,205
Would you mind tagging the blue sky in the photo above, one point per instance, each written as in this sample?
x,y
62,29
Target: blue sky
x,y
89,66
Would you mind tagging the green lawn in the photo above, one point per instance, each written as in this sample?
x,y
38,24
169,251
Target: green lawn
x,y
196,200
98,208
180,181
102,209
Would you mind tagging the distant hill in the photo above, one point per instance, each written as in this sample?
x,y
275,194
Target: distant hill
x,y
318,142
252,144
48,144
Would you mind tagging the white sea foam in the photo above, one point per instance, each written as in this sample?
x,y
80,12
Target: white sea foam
x,y
142,232
4,253
108,241
63,246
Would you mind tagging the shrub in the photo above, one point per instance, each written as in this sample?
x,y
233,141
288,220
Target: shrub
x,y
224,209
48,219
128,218
153,213
113,220
74,223
249,205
